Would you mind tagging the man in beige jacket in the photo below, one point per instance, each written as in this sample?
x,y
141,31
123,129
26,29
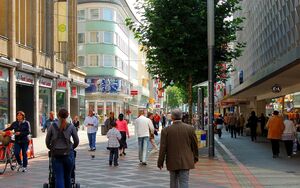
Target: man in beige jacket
x,y
178,144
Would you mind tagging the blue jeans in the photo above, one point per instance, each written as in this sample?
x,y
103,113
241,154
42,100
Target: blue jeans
x,y
143,148
17,148
179,178
62,168
92,140
113,156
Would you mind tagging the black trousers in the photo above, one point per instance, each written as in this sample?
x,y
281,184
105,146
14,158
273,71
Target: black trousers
x,y
275,146
233,131
113,156
253,133
289,147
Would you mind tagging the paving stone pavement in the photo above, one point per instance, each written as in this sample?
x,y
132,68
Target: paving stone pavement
x,y
223,171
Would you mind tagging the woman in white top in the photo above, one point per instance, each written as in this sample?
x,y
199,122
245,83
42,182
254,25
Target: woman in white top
x,y
288,135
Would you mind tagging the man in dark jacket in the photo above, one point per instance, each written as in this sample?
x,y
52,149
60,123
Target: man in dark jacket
x,y
252,122
178,144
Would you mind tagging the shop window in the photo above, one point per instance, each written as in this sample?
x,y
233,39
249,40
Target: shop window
x,y
4,100
109,107
60,100
100,112
44,104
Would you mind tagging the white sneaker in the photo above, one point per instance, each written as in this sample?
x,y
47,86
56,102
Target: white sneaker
x,y
24,169
18,167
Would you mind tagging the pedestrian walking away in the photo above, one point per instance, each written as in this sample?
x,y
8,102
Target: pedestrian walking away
x,y
142,125
114,136
91,122
123,128
275,127
178,145
62,149
252,123
21,128
219,122
289,135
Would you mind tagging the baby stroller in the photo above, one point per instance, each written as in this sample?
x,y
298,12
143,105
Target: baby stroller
x,y
51,183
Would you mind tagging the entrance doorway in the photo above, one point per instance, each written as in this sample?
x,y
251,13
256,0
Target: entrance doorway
x,y
24,102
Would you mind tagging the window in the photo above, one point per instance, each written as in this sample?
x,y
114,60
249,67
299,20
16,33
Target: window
x,y
108,37
81,61
81,38
108,14
94,37
108,60
93,61
81,15
4,18
94,14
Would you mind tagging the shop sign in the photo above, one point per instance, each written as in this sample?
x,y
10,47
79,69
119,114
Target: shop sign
x,y
24,78
134,92
62,84
106,85
4,74
74,92
45,82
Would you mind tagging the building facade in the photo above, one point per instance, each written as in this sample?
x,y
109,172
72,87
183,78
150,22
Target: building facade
x,y
269,66
109,55
38,72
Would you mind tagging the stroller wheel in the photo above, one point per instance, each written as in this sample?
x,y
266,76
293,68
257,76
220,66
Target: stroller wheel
x,y
45,185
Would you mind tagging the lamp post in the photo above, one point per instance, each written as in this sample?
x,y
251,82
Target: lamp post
x,y
210,44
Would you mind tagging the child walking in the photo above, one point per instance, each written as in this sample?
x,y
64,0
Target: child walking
x,y
113,136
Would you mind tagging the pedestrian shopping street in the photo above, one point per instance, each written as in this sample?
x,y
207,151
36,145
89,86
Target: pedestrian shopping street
x,y
238,163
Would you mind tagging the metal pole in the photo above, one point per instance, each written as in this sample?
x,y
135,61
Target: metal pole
x,y
200,108
210,43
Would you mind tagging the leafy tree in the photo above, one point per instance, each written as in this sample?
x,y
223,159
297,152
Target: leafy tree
x,y
174,36
174,97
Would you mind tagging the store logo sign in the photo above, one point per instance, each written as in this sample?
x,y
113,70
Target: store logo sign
x,y
44,82
24,78
62,84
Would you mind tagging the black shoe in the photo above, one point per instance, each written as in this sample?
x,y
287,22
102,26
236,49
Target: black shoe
x,y
124,153
143,163
121,154
110,163
116,164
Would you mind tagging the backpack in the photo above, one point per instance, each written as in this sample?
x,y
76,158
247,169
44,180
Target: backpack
x,y
60,150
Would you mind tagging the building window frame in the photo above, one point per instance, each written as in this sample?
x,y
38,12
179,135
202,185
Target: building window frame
x,y
81,16
97,36
94,17
90,56
79,62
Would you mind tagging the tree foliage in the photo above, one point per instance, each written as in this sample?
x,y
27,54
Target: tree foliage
x,y
175,97
174,36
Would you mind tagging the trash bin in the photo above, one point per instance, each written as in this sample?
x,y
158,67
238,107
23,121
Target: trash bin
x,y
103,130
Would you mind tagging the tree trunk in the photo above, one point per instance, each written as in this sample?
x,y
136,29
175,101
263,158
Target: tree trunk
x,y
190,98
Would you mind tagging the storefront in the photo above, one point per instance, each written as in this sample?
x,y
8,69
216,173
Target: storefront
x,y
25,96
4,97
61,94
45,93
105,95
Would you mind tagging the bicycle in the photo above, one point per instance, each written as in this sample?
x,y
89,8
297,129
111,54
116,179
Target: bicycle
x,y
7,152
